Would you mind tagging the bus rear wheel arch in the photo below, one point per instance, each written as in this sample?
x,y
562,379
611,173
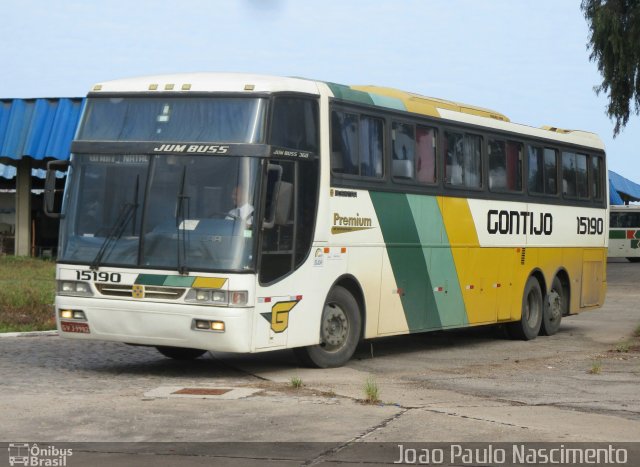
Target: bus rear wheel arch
x,y
340,331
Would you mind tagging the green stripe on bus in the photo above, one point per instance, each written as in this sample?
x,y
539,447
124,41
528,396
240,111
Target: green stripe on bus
x,y
408,260
345,92
179,281
151,279
442,269
618,234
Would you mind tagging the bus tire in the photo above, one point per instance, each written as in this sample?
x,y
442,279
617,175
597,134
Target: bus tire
x,y
339,332
180,353
532,309
556,306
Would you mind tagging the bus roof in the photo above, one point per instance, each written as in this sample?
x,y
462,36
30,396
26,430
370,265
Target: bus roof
x,y
371,95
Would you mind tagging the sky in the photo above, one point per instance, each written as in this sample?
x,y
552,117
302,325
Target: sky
x,y
527,59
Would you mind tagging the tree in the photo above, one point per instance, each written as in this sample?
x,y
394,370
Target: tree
x,y
614,42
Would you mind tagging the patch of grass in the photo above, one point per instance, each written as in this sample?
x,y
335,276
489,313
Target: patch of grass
x,y
623,347
27,292
596,368
636,332
296,382
371,391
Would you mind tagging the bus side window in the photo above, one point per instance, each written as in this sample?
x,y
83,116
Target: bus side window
x,y
596,178
426,155
402,137
505,165
463,160
357,143
344,143
295,124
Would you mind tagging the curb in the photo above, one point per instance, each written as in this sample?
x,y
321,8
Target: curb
x,y
28,334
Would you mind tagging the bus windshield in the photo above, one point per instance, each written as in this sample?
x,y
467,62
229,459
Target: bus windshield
x,y
220,119
173,212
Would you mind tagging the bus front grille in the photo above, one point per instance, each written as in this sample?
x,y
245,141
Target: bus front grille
x,y
128,291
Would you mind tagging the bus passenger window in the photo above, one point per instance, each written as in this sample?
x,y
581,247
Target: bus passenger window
x,y
426,157
569,175
344,143
371,144
551,171
596,178
463,160
543,169
505,165
356,144
582,180
403,139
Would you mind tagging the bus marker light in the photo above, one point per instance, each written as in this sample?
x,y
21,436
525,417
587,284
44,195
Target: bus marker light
x,y
469,287
186,87
327,250
77,314
438,289
202,324
217,326
343,250
497,286
66,314
153,87
298,298
239,297
249,87
168,87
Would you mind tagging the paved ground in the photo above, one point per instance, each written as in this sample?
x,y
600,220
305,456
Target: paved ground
x,y
466,386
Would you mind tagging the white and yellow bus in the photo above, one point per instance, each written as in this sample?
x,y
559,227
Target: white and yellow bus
x,y
624,232
246,213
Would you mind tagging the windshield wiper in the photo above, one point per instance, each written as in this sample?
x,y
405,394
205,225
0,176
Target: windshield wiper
x,y
180,225
116,231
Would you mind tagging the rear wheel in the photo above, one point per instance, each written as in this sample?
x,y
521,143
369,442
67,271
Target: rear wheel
x,y
532,309
181,353
339,332
556,306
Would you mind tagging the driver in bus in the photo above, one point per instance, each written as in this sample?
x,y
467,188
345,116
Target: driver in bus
x,y
243,210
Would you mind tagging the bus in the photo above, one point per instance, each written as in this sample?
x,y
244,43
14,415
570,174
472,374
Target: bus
x,y
248,213
624,232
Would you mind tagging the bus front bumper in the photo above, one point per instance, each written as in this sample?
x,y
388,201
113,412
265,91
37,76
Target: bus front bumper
x,y
156,324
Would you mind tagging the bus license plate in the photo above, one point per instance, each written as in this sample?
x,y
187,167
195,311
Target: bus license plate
x,y
67,326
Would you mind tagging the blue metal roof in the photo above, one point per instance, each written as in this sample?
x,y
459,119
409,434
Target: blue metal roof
x,y
41,129
622,189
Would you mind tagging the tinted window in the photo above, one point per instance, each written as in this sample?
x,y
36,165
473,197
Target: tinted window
x,y
414,150
294,124
596,178
574,175
463,160
543,170
356,144
505,165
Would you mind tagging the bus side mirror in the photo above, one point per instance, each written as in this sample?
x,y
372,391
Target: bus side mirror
x,y
50,190
280,205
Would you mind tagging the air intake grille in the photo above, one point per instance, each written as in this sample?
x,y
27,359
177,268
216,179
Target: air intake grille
x,y
164,293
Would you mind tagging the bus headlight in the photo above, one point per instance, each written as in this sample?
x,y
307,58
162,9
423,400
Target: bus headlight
x,y
74,288
217,297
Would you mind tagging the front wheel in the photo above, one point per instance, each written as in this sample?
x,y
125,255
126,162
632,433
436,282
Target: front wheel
x,y
339,332
532,308
181,353
556,307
